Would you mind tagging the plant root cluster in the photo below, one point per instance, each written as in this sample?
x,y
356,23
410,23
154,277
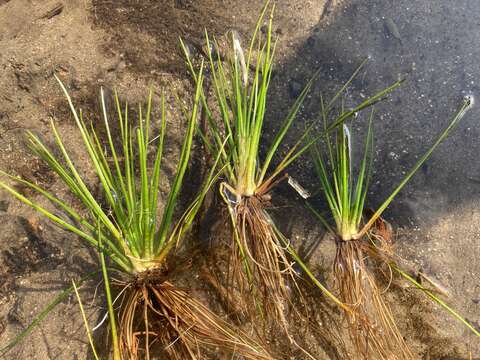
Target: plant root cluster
x,y
371,324
259,266
157,314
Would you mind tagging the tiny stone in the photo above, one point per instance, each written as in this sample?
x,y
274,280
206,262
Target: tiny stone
x,y
4,205
294,88
183,4
311,41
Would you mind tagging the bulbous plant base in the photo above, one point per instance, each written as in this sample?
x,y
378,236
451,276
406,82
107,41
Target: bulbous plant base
x,y
371,324
160,320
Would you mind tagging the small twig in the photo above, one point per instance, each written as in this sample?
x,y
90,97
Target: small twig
x,y
56,10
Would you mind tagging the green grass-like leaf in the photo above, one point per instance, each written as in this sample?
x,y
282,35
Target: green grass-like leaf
x,y
241,96
43,314
85,322
126,227
111,312
345,192
240,83
436,299
131,234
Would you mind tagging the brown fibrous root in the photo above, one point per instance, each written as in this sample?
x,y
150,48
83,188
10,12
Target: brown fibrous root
x,y
158,317
259,265
371,324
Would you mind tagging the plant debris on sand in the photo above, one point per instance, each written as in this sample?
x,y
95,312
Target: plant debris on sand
x,y
261,259
259,266
153,312
363,241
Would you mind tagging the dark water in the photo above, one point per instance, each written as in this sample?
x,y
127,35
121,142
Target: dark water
x,y
435,46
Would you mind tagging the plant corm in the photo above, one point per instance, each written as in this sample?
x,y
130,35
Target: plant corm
x,y
126,227
362,238
261,259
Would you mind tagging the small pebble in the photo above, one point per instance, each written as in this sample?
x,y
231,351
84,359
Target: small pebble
x,y
295,88
392,29
4,205
311,41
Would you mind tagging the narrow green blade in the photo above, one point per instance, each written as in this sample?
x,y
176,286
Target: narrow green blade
x,y
43,314
466,105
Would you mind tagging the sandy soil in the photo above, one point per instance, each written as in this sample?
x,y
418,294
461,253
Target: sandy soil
x,y
129,45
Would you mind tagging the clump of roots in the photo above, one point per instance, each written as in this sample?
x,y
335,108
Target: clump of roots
x,y
259,266
158,315
371,324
